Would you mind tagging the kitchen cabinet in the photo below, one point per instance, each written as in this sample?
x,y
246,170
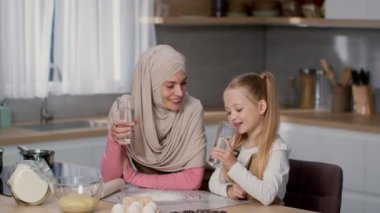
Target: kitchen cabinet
x,y
355,151
85,152
334,9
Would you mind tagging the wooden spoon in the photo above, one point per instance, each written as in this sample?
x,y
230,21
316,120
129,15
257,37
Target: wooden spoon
x,y
346,76
329,73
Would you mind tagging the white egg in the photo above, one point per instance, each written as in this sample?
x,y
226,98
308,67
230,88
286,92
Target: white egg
x,y
134,207
117,208
151,207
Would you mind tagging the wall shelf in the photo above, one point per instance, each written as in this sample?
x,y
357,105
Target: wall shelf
x,y
267,21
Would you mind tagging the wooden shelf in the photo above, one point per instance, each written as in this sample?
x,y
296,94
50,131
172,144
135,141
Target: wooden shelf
x,y
267,21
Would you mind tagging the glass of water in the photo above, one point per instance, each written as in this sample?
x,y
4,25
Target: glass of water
x,y
225,132
126,113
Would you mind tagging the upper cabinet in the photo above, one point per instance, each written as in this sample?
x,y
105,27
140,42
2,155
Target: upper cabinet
x,y
268,21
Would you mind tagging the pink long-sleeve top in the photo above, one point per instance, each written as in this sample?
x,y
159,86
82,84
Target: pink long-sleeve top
x,y
112,166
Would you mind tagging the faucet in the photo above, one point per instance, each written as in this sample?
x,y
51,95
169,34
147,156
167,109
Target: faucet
x,y
45,116
55,76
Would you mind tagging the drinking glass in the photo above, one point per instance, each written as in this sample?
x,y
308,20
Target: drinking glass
x,y
225,132
125,109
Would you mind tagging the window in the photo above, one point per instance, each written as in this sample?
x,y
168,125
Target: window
x,y
93,45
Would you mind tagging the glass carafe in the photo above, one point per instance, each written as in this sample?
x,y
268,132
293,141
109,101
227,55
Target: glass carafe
x,y
292,93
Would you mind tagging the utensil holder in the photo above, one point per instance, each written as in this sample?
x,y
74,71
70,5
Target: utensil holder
x,y
363,100
341,99
5,116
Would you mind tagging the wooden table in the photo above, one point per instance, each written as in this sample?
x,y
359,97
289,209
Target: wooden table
x,y
8,205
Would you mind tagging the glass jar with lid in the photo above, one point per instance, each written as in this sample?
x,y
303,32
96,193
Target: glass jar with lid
x,y
28,182
292,93
307,87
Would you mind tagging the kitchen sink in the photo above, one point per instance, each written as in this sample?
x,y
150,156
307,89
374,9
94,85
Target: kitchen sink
x,y
56,126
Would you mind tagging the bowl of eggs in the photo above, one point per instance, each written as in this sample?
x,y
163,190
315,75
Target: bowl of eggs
x,y
77,193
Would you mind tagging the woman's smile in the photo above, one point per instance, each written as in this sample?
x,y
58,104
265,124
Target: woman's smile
x,y
173,91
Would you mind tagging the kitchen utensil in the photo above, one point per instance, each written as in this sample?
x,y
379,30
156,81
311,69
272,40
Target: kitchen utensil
x,y
328,71
363,99
22,148
37,155
341,98
364,77
346,76
77,193
5,115
292,93
28,182
1,159
355,77
112,186
322,95
219,8
266,8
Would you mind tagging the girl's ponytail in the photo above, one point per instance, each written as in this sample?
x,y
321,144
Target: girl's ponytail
x,y
270,125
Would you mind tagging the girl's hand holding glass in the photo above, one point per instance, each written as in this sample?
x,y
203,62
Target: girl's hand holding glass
x,y
225,156
225,132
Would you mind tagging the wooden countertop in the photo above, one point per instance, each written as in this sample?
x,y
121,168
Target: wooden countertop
x,y
9,205
346,121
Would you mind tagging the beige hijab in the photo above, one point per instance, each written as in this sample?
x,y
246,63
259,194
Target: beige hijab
x,y
165,140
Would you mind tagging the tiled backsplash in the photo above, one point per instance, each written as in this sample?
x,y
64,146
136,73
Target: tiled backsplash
x,y
215,54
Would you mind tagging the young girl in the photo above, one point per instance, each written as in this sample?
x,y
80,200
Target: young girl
x,y
260,170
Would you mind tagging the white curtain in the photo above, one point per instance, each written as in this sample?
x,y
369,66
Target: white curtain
x,y
97,43
25,33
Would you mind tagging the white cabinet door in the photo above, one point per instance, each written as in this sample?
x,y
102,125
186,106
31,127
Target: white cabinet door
x,y
356,152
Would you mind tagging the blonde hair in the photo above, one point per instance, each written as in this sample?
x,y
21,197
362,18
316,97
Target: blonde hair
x,y
260,87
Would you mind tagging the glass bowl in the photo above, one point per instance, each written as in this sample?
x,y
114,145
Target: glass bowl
x,y
77,193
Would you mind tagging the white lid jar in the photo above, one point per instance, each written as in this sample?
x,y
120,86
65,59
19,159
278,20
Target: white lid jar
x,y
27,183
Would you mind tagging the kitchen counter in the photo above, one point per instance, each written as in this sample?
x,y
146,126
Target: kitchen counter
x,y
344,121
347,121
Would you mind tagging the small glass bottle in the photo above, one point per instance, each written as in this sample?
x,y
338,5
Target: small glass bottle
x,y
292,93
307,86
322,92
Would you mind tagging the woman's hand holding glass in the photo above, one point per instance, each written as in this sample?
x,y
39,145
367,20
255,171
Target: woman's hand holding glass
x,y
124,123
122,131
